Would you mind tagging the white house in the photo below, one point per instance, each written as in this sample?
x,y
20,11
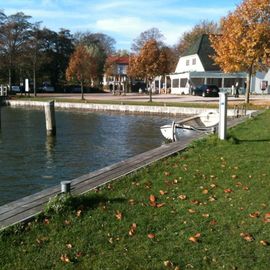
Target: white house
x,y
196,67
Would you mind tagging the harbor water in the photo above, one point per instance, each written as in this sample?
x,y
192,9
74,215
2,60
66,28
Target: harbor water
x,y
85,141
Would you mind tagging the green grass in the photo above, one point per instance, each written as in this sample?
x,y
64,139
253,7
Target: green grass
x,y
224,182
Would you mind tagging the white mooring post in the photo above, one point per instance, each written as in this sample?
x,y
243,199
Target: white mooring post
x,y
0,112
65,186
50,119
222,127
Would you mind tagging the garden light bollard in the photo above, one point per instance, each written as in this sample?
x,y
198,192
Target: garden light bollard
x,y
222,127
65,186
50,118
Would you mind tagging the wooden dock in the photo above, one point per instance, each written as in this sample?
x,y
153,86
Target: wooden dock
x,y
27,207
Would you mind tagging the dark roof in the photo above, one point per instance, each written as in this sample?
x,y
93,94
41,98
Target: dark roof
x,y
202,47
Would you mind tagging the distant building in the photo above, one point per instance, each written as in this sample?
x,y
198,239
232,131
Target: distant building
x,y
117,71
196,66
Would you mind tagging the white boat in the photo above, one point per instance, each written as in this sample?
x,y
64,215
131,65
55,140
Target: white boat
x,y
205,122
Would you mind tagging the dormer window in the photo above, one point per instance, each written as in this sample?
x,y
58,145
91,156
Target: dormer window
x,y
187,62
194,61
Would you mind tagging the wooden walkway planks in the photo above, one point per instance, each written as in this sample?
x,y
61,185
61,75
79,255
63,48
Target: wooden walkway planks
x,y
27,207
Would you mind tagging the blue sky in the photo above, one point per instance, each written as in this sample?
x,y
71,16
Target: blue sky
x,y
123,20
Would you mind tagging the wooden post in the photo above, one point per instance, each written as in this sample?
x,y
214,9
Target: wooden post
x,y
50,119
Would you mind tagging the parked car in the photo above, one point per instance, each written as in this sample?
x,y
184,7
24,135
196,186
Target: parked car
x,y
206,90
48,88
17,89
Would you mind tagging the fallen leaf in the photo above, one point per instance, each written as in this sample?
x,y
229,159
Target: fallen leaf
x,y
205,215
64,258
69,245
162,192
131,201
78,213
79,254
182,197
264,243
213,222
193,239
245,188
67,222
254,214
248,237
213,185
46,221
158,205
118,215
167,173
194,202
191,211
228,190
132,229
110,240
151,235
205,191
152,198
168,264
234,176
266,218
212,198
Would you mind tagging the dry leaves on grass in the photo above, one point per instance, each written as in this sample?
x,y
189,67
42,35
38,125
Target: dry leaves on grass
x,y
194,238
118,215
153,202
132,229
246,236
266,218
64,258
151,235
255,214
264,243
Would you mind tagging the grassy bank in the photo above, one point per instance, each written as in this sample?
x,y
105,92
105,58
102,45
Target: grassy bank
x,y
205,208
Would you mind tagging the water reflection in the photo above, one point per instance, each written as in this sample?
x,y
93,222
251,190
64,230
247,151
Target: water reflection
x,y
85,141
50,145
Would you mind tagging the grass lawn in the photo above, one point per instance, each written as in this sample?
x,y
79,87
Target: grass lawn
x,y
205,208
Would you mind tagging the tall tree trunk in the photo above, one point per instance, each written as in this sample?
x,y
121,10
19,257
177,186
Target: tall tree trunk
x,y
34,79
248,86
82,97
150,90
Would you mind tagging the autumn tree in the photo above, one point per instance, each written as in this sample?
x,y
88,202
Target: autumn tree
x,y
82,67
150,34
152,61
244,43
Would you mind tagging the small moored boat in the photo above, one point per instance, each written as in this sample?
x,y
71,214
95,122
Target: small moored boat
x,y
205,122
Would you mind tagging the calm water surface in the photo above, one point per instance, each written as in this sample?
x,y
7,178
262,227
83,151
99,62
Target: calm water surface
x,y
85,141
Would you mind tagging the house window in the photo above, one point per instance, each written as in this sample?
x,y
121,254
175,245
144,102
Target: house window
x,y
187,62
194,61
183,82
175,83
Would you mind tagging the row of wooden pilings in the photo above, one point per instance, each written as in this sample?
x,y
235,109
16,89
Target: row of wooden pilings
x,y
49,118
